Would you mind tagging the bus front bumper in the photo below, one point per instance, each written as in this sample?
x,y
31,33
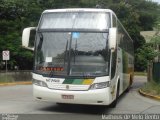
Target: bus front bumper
x,y
90,97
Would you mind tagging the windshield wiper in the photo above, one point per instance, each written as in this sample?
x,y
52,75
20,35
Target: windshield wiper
x,y
69,57
65,59
51,73
65,55
75,52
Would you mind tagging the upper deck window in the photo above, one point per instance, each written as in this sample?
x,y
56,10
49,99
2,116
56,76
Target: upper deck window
x,y
75,20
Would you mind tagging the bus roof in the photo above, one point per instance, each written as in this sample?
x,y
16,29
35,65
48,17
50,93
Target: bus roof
x,y
79,10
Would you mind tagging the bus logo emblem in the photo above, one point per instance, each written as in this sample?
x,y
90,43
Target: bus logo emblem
x,y
67,87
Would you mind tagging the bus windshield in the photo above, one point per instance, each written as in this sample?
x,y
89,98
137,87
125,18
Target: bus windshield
x,y
72,53
75,20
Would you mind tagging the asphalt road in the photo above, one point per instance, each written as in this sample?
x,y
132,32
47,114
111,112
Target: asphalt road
x,y
17,100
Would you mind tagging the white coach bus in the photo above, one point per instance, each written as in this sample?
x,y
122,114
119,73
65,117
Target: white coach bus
x,y
82,56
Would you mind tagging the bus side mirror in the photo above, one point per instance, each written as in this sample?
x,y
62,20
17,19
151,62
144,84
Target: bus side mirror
x,y
28,38
112,39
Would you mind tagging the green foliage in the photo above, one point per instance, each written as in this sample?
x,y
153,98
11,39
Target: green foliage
x,y
152,88
148,13
144,54
155,40
13,20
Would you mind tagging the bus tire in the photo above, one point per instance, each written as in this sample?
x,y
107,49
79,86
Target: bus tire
x,y
127,90
114,103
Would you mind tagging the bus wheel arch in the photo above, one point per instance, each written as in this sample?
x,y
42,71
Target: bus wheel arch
x,y
130,83
131,79
114,103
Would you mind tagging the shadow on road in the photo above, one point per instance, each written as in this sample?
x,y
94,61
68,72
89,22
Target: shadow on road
x,y
73,108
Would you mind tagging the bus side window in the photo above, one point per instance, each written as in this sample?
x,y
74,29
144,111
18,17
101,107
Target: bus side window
x,y
114,54
114,21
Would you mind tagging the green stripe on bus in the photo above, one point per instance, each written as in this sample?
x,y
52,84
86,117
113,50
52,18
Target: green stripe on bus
x,y
78,81
68,81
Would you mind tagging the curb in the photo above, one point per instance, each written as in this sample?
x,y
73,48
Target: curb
x,y
16,83
148,95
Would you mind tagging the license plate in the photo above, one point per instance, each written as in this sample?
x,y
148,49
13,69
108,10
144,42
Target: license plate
x,y
67,96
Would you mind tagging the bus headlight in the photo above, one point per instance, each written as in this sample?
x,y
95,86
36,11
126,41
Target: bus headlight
x,y
100,85
39,83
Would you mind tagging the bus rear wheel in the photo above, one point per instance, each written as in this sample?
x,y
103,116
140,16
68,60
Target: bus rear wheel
x,y
130,83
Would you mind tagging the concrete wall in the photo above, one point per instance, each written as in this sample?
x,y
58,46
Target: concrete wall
x,y
15,76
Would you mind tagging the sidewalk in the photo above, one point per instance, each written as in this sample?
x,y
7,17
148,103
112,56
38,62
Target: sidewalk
x,y
148,95
16,83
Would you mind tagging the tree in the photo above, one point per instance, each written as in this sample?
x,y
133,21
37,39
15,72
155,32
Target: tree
x,y
145,54
12,22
